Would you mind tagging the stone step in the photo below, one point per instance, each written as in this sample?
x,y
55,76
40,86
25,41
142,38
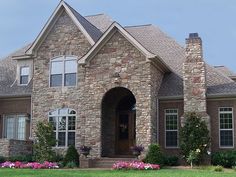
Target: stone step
x,y
108,162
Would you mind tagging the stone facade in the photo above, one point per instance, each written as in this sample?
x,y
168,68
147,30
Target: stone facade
x,y
194,77
64,39
135,74
116,69
11,148
118,56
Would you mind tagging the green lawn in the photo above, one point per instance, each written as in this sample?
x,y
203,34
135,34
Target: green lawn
x,y
112,173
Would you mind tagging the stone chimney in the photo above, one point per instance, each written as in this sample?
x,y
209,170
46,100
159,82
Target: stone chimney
x,y
194,77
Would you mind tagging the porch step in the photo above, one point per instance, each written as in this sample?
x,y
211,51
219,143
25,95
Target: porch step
x,y
108,162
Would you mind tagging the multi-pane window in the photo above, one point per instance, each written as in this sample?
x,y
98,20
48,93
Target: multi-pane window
x,y
226,127
63,121
15,127
171,128
24,75
63,71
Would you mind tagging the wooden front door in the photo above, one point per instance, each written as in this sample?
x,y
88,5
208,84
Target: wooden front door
x,y
125,132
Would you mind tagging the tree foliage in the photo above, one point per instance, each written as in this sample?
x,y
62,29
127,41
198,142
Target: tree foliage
x,y
71,156
45,140
194,135
154,155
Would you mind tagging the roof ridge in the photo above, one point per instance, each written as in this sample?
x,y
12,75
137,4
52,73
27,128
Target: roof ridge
x,y
94,15
134,26
218,66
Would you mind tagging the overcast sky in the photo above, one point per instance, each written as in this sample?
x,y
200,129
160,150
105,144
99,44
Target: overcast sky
x,y
214,20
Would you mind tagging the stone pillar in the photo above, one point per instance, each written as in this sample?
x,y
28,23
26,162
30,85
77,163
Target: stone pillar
x,y
194,78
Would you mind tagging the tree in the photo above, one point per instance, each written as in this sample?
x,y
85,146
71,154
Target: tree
x,y
45,140
194,137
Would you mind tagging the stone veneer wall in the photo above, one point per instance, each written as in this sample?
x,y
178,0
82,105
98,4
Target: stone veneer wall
x,y
194,76
118,56
64,39
194,79
11,148
94,80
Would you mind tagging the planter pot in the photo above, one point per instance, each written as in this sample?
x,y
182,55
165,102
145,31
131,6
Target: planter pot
x,y
136,153
85,153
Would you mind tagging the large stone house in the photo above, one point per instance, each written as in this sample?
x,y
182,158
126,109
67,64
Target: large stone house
x,y
111,87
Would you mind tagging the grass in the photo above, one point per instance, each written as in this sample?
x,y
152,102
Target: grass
x,y
113,173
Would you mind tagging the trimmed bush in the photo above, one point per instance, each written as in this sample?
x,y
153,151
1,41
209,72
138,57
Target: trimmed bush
x,y
71,165
21,158
171,161
2,159
194,137
154,155
226,159
71,156
219,168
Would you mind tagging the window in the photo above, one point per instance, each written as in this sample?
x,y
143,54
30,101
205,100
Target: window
x,y
63,71
63,121
24,75
15,127
226,127
171,128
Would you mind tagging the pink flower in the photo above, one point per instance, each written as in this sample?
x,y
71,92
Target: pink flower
x,y
135,165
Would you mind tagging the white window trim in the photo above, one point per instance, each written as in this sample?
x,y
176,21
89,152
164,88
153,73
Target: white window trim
x,y
226,112
172,147
26,66
57,115
63,74
16,116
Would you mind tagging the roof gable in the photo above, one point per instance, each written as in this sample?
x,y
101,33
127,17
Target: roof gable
x,y
89,30
114,27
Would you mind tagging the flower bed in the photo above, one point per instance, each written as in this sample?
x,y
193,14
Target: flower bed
x,y
32,165
135,165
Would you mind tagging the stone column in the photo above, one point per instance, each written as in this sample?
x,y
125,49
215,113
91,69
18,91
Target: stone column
x,y
194,78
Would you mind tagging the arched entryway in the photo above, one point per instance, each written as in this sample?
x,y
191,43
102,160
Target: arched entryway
x,y
118,122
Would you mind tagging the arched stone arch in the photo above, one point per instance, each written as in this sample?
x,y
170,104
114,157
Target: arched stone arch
x,y
118,122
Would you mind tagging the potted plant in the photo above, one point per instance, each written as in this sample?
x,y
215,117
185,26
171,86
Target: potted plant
x,y
136,150
85,150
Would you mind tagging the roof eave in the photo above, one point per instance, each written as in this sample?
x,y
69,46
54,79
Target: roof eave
x,y
106,36
50,22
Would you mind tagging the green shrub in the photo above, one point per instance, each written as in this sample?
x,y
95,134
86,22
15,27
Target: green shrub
x,y
154,155
194,136
218,168
44,143
171,161
71,156
226,159
71,165
58,158
2,159
21,158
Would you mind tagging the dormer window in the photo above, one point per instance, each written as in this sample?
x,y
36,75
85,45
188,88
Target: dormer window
x,y
24,75
63,71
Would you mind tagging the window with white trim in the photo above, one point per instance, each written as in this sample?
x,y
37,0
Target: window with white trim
x,y
24,75
226,127
171,128
63,71
63,121
15,127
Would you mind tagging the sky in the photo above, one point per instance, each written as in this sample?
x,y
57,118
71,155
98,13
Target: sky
x,y
214,20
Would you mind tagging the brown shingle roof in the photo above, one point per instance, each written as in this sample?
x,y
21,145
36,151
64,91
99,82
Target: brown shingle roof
x,y
153,39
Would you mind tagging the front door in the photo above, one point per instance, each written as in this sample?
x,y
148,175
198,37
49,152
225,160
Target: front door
x,y
125,132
